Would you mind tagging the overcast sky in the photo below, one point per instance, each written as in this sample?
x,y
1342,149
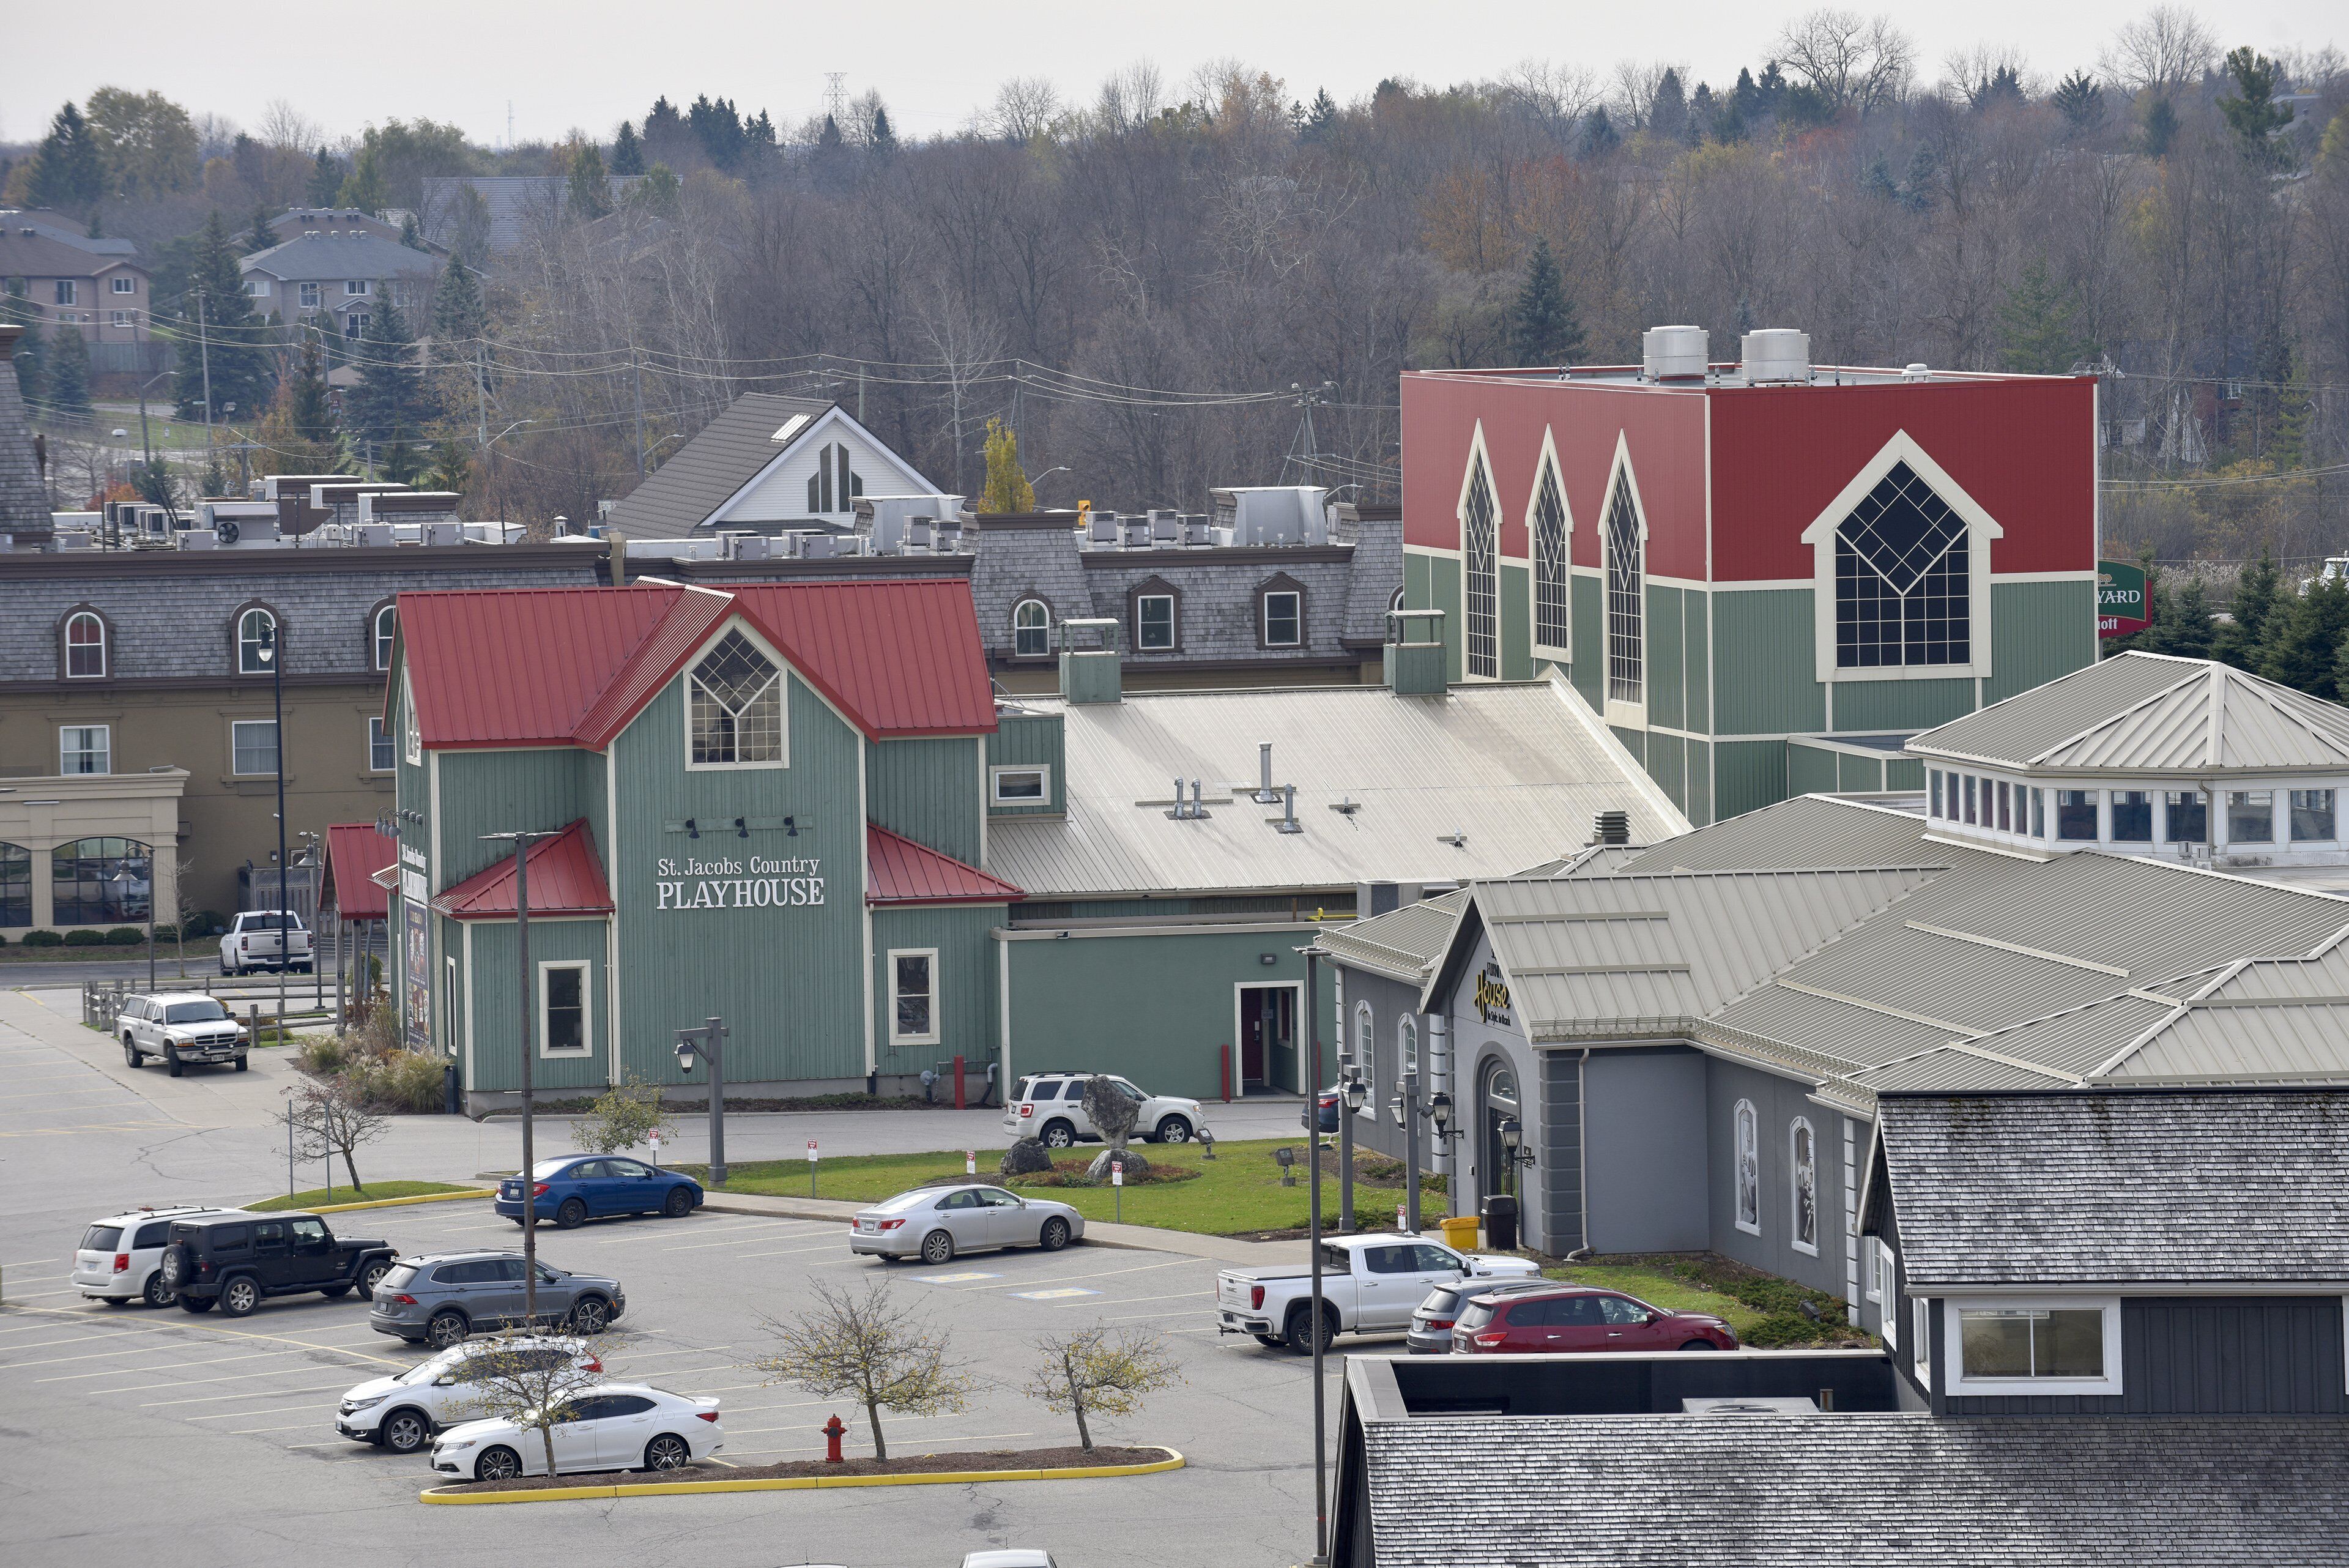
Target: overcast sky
x,y
592,63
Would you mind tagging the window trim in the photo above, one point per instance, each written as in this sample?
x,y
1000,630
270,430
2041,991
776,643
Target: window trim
x,y
1406,1044
105,751
1366,1055
1631,711
1017,611
1920,1348
587,967
889,983
236,637
105,643
1954,1338
1879,1275
783,697
1154,587
276,744
995,773
1797,1128
411,729
378,647
1547,466
1981,529
125,283
1743,1116
377,730
1280,583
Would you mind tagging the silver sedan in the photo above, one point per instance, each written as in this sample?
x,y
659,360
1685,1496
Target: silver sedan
x,y
934,1223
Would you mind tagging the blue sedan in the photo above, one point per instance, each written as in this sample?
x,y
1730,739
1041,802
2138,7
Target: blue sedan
x,y
578,1188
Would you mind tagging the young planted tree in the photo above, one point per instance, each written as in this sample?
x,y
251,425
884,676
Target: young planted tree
x,y
329,1120
1008,489
532,1382
1093,1372
2258,604
869,1349
628,1113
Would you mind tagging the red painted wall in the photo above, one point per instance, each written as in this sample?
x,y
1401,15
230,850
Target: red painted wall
x,y
2025,449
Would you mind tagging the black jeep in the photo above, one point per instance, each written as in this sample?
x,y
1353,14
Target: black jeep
x,y
236,1260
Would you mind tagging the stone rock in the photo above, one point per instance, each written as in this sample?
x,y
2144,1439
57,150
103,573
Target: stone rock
x,y
1135,1164
1026,1158
1112,1111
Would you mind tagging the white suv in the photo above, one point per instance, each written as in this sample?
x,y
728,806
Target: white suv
x,y
405,1411
185,1028
1050,1106
121,1256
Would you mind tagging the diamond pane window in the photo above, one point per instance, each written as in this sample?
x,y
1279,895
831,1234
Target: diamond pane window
x,y
1626,680
1903,579
1480,552
1549,561
738,704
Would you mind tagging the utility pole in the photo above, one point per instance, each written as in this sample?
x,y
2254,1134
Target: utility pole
x,y
204,348
636,365
1313,1232
522,840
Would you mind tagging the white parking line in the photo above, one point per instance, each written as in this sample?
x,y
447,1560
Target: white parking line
x,y
253,1432
273,1410
38,1295
793,1251
217,1398
143,1369
69,1339
1123,1300
1170,1312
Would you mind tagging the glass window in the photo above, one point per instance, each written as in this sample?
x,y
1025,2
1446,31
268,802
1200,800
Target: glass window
x,y
2312,816
1626,602
1971,783
2186,816
1407,1046
253,746
1551,590
1154,616
1920,1348
309,1232
1933,785
256,641
85,749
1480,567
1284,619
380,757
2038,814
1366,1052
913,1016
562,1008
355,323
2002,1342
387,621
2075,814
2132,816
309,296
1803,1149
1021,786
1903,582
412,733
1031,629
356,287
2005,807
1622,1311
130,285
2251,816
1746,1153
737,705
101,882
85,646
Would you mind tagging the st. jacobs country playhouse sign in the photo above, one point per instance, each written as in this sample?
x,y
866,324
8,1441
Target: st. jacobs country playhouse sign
x,y
753,882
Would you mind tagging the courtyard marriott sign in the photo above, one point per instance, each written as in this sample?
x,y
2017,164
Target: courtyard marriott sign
x,y
752,883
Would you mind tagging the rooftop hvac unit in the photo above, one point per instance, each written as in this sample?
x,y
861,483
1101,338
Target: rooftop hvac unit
x,y
1775,354
1674,353
1101,528
747,547
199,539
442,534
1134,533
72,538
373,535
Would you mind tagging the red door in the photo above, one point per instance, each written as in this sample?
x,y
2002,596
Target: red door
x,y
1252,1036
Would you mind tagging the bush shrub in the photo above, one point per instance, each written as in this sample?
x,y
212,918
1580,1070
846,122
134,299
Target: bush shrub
x,y
84,937
206,923
126,937
322,1055
167,933
44,939
1780,1329
398,1080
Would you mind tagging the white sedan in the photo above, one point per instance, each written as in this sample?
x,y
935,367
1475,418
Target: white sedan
x,y
613,1426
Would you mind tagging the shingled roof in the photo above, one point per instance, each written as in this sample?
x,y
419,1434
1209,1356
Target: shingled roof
x,y
2206,1188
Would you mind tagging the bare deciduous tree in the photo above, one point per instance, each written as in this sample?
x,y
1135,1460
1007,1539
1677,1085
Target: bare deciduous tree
x,y
1095,1371
869,1349
1851,61
330,1120
2167,47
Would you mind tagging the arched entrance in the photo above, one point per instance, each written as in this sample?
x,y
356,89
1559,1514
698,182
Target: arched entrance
x,y
1498,1090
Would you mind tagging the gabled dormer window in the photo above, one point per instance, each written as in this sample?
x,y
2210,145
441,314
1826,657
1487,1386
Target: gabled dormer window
x,y
735,703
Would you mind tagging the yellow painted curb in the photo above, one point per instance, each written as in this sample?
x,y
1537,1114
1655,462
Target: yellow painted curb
x,y
1173,1461
387,1202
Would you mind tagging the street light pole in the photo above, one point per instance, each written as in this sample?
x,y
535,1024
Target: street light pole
x,y
710,1040
1313,1231
522,840
270,651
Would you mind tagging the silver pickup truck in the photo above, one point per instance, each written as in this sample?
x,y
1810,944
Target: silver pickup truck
x,y
265,938
1369,1286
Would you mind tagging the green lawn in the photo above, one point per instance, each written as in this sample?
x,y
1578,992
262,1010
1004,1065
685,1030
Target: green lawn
x,y
343,1193
1239,1191
1769,1314
1658,1288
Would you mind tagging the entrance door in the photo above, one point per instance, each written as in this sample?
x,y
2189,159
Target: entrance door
x,y
1500,1173
1269,1055
1252,1037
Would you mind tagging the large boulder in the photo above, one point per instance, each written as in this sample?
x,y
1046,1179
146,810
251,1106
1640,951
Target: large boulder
x,y
1112,1111
1026,1158
1135,1164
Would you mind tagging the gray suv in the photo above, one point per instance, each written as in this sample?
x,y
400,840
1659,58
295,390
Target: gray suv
x,y
439,1300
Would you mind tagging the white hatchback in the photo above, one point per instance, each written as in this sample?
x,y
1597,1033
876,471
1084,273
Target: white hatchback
x,y
121,1256
402,1413
615,1427
1050,1107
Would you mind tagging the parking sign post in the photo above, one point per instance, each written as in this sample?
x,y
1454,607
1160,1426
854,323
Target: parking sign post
x,y
812,1160
1117,1184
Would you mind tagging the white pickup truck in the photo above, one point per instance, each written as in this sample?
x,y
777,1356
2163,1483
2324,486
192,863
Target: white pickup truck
x,y
265,938
1369,1286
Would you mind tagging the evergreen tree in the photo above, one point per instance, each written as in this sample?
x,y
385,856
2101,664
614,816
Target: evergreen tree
x,y
627,152
2251,112
2258,601
215,320
1668,114
1878,180
718,128
297,435
2191,628
97,224
1543,329
2036,322
829,139
1745,97
590,194
885,140
1322,119
262,236
458,313
68,370
326,180
2305,645
1008,489
32,360
2160,128
410,235
1598,138
2080,102
309,406
401,464
664,131
659,193
388,404
364,186
2003,88
68,173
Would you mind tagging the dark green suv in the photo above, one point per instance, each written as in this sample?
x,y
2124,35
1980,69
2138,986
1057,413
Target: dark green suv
x,y
234,1260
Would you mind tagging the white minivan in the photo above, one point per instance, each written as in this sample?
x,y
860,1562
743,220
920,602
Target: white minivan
x,y
121,1256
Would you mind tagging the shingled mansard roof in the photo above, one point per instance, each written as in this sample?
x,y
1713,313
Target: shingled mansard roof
x,y
2130,1187
1794,1491
2149,713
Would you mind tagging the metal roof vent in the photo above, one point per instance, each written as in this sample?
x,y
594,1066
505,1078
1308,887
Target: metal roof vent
x,y
1612,827
1918,371
1674,353
1775,354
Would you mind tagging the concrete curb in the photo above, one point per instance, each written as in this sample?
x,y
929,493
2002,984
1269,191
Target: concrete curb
x,y
1173,1461
388,1202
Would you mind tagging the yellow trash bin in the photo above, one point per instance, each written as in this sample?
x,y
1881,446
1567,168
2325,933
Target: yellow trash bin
x,y
1459,1235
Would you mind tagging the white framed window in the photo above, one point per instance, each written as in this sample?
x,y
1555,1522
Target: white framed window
x,y
1284,618
734,707
256,641
1407,1046
1366,1054
2024,1348
381,631
355,323
124,283
65,292
126,317
913,996
253,746
412,733
85,646
566,1003
1745,1151
1031,629
255,287
379,748
308,294
1879,1273
85,749
1920,1344
1549,525
1480,552
1154,619
1901,573
1803,1185
1020,785
357,288
1625,544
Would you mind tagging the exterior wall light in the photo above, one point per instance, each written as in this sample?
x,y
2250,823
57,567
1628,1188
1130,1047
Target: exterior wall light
x,y
685,1055
1513,1139
1439,1111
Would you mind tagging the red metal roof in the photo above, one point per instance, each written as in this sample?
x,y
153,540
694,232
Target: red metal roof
x,y
354,853
565,878
573,666
900,871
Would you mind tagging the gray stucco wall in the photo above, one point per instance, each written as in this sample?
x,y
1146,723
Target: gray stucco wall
x,y
1649,1161
1389,1001
1778,1103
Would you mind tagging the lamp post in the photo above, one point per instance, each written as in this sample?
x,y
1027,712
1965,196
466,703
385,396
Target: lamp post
x,y
1352,1096
521,838
1313,1231
269,656
709,1041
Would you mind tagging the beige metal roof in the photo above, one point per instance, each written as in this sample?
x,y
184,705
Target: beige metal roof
x,y
2148,713
1519,769
1405,943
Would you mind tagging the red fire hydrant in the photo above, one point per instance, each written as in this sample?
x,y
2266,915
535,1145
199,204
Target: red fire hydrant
x,y
832,1432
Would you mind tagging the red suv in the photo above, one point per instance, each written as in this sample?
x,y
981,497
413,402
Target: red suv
x,y
1578,1318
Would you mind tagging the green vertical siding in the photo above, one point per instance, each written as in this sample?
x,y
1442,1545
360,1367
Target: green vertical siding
x,y
966,1010
1031,739
497,792
1668,764
1747,775
1864,705
1699,809
1810,770
1584,628
2039,631
1858,773
1634,741
1697,667
1764,668
929,790
1442,592
1517,625
494,1003
1904,773
1665,650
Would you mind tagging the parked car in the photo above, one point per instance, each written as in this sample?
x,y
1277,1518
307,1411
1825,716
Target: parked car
x,y
1013,1557
236,1260
619,1426
440,1299
265,938
576,1188
121,1256
934,1223
402,1412
1050,1106
1369,1285
1331,1101
182,1028
1580,1318
1432,1320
